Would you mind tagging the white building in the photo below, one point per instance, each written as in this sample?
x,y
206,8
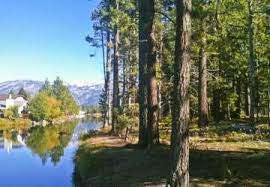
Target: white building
x,y
7,101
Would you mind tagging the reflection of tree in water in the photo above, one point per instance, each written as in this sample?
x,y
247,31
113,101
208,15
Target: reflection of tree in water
x,y
7,134
50,142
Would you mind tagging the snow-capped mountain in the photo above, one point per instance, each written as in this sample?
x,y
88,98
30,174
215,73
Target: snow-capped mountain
x,y
32,87
84,95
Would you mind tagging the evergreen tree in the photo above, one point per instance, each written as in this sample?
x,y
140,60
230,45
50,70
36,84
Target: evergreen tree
x,y
23,93
62,93
180,124
46,88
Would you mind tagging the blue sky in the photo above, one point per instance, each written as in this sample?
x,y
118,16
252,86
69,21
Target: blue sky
x,y
42,39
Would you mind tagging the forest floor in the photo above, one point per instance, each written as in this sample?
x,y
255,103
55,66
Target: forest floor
x,y
105,160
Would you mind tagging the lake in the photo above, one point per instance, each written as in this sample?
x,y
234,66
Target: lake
x,y
40,156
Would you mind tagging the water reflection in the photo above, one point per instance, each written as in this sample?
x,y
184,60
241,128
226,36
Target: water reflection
x,y
7,145
11,140
49,142
43,152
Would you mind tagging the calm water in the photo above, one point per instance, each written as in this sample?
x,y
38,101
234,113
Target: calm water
x,y
40,156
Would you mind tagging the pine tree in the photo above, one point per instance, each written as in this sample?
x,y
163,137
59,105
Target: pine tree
x,y
180,124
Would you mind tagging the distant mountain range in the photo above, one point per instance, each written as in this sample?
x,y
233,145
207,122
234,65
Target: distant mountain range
x,y
84,95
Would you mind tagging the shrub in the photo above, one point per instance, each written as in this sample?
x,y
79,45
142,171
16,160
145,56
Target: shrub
x,y
238,136
12,112
128,120
8,114
263,128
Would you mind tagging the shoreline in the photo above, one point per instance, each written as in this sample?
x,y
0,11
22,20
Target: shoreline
x,y
26,123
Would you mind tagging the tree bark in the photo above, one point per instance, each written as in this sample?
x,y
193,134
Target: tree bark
x,y
103,53
203,100
116,101
180,137
247,100
108,76
152,97
105,121
143,54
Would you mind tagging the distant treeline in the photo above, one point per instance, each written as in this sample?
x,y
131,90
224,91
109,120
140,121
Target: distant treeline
x,y
91,109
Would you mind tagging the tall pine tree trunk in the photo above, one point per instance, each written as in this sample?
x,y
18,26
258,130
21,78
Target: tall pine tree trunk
x,y
247,100
152,97
143,55
251,63
203,100
180,136
108,77
124,86
116,99
105,121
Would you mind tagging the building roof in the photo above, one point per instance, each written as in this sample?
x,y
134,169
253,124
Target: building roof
x,y
4,97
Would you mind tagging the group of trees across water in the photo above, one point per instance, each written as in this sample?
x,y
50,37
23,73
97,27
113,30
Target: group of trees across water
x,y
182,59
52,101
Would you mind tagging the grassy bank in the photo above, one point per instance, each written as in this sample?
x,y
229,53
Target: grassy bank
x,y
15,124
104,160
20,123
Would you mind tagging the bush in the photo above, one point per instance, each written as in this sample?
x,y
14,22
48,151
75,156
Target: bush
x,y
263,128
165,124
12,112
128,120
8,114
238,136
124,121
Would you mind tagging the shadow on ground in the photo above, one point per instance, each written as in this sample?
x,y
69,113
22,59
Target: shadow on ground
x,y
129,165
